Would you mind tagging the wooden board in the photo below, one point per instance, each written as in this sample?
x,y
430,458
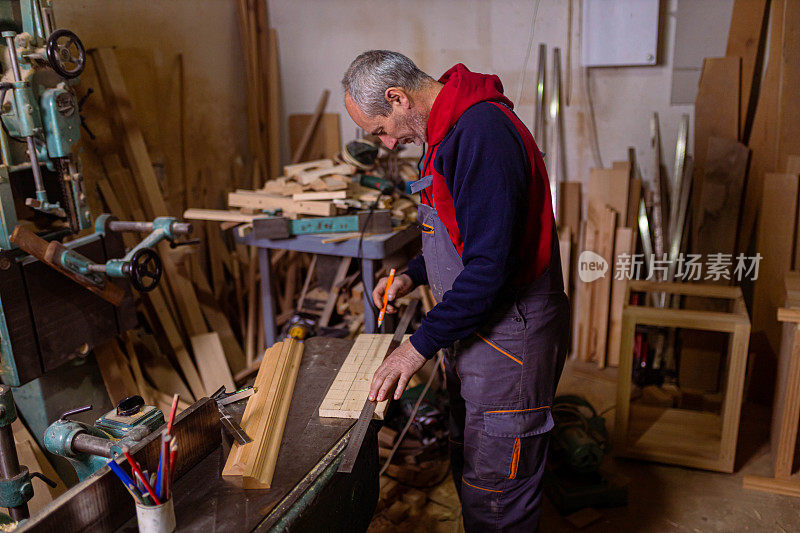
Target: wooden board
x,y
211,362
308,177
290,171
114,368
350,388
747,31
259,200
322,195
764,136
570,206
717,215
219,323
326,139
776,246
624,243
610,186
717,104
601,288
218,215
253,464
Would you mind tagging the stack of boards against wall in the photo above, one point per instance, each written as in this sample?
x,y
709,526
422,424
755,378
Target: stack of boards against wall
x,y
252,465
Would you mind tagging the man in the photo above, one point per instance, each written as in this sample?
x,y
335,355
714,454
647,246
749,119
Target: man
x,y
490,255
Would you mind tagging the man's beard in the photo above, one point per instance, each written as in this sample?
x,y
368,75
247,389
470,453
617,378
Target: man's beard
x,y
418,125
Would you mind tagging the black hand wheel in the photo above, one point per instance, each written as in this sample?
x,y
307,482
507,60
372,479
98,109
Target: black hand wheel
x,y
65,54
145,270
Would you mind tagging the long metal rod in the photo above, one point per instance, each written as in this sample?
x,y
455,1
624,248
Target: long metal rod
x,y
559,145
359,430
541,79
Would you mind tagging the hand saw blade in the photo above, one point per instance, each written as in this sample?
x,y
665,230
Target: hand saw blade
x,y
359,430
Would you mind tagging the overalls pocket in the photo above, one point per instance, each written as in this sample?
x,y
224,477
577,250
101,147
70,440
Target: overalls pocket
x,y
512,443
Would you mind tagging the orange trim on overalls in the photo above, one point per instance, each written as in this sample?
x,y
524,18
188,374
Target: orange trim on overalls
x,y
520,410
426,228
464,481
514,459
496,347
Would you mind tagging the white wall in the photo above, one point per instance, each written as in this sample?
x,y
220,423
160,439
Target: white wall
x,y
319,38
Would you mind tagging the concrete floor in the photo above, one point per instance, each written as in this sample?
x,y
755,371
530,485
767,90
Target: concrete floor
x,y
660,497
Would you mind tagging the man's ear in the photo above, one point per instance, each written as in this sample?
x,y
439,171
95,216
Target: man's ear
x,y
397,96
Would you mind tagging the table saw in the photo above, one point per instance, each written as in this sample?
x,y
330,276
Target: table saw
x,y
307,493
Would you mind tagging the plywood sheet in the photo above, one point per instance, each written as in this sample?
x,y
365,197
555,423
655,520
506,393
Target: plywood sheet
x,y
350,388
326,140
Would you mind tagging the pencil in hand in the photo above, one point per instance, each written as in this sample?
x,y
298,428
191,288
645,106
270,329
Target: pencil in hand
x,y
382,314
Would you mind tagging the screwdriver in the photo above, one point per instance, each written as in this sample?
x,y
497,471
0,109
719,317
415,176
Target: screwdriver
x,y
386,297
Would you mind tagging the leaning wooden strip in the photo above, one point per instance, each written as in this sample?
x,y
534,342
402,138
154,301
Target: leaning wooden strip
x,y
253,464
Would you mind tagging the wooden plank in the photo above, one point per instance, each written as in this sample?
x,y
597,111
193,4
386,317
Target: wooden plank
x,y
776,246
322,195
746,38
789,103
787,403
308,177
772,485
290,171
211,362
155,366
220,215
258,200
156,301
717,215
348,392
114,368
606,221
570,206
264,419
333,294
116,93
689,289
610,186
717,105
299,153
219,323
764,136
326,140
273,104
624,243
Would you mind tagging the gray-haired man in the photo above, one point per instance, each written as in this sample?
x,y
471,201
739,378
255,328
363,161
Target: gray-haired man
x,y
490,256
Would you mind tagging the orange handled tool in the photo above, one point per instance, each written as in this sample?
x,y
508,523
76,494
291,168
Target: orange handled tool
x,y
386,297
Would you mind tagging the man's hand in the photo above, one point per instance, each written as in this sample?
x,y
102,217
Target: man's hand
x,y
398,367
401,286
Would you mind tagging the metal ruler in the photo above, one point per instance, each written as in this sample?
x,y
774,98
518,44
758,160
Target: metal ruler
x,y
359,431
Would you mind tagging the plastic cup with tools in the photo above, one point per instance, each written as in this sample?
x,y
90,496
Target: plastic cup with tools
x,y
156,518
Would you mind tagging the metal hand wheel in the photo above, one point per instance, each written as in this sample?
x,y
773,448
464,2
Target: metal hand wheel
x,y
144,270
65,54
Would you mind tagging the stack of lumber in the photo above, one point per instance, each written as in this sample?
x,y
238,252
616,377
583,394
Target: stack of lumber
x,y
205,310
746,174
613,204
321,188
253,464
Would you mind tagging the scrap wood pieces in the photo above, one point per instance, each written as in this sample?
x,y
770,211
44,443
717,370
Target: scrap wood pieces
x,y
252,465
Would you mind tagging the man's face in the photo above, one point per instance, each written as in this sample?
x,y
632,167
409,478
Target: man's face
x,y
405,124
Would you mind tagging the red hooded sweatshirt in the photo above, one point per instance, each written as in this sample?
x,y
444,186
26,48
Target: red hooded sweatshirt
x,y
491,191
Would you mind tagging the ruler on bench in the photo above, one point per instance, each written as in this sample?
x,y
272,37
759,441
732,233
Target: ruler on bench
x,y
359,431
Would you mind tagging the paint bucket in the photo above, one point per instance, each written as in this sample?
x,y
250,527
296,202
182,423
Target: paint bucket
x,y
156,518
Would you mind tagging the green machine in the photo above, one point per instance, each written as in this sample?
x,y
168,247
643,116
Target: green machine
x,y
51,314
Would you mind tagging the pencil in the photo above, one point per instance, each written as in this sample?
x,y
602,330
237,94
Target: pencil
x,y
126,480
138,472
386,297
172,411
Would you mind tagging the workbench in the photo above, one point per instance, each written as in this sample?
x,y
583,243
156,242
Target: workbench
x,y
307,493
372,249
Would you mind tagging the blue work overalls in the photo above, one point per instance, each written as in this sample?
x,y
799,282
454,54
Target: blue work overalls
x,y
501,381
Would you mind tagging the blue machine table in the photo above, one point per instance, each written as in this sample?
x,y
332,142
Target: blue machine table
x,y
372,249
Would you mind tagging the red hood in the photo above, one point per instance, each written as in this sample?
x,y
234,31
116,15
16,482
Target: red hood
x,y
462,89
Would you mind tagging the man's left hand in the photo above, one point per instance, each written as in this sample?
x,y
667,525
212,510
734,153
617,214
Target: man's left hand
x,y
398,367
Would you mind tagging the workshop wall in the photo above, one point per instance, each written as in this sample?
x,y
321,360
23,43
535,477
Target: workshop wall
x,y
205,32
318,39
